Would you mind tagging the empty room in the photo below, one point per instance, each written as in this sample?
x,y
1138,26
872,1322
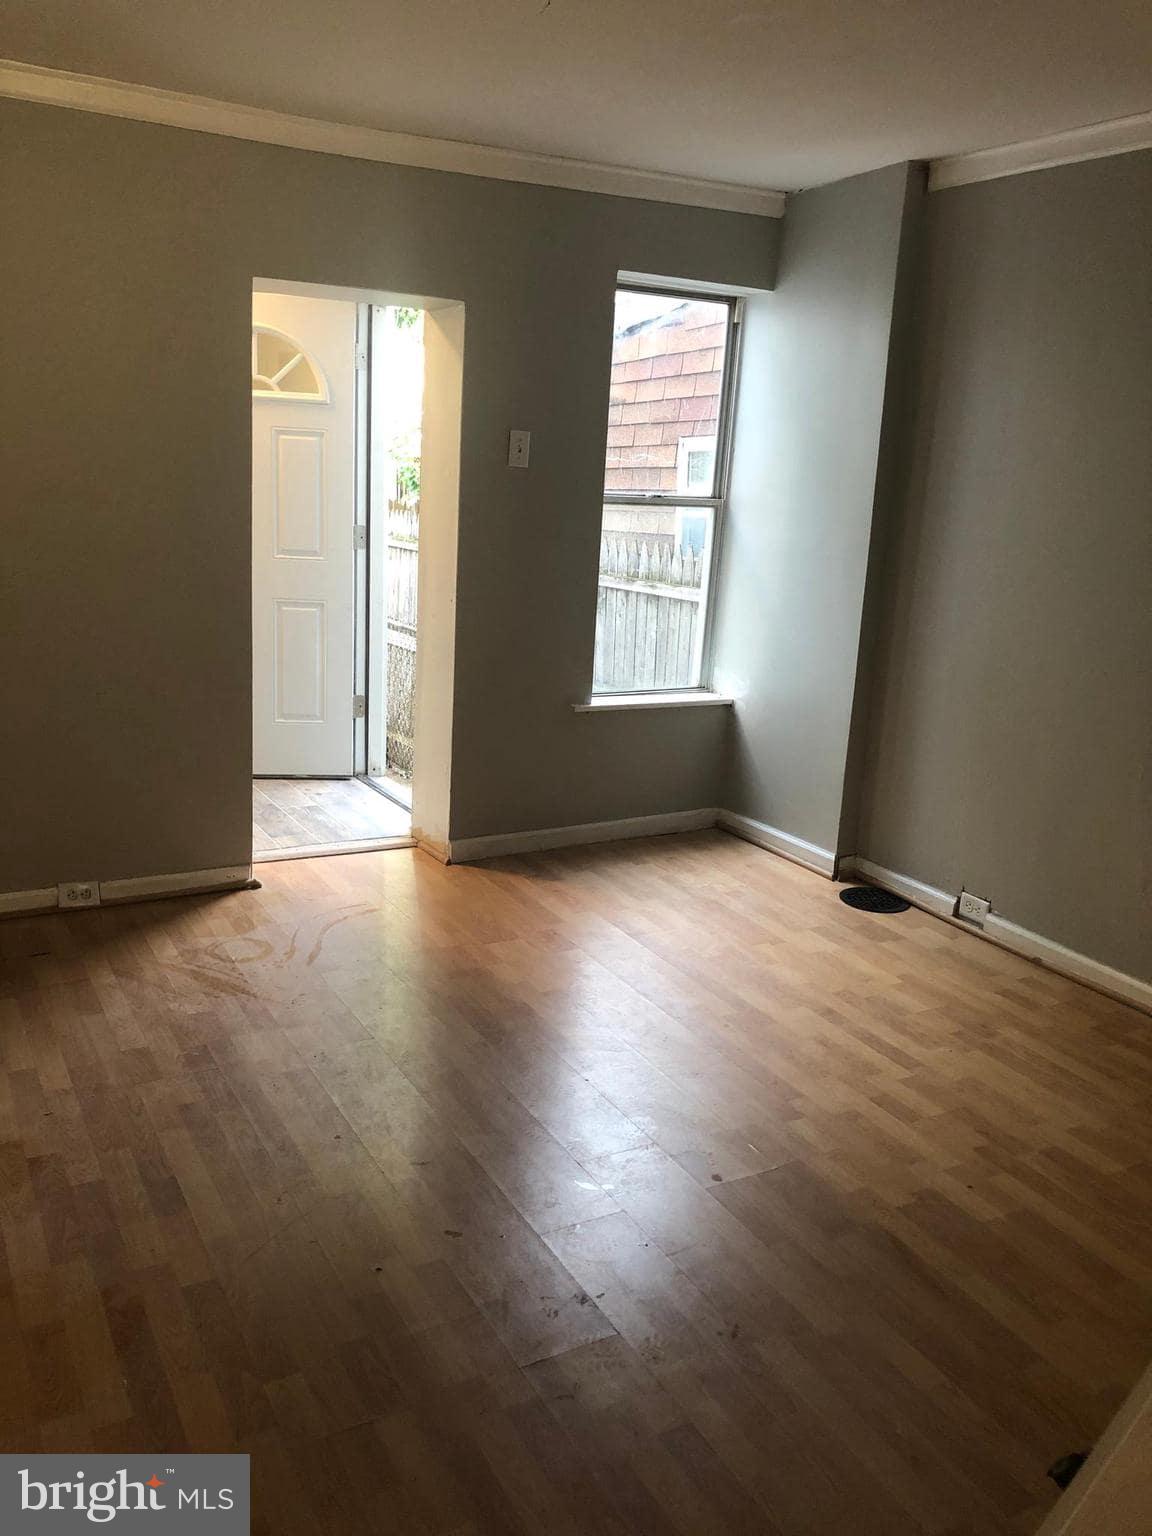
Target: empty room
x,y
576,791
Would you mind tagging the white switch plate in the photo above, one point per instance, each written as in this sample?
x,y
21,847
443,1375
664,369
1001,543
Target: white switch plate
x,y
80,893
519,444
973,908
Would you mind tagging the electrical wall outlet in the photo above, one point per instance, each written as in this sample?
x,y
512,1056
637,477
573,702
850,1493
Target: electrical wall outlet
x,y
519,445
974,909
80,893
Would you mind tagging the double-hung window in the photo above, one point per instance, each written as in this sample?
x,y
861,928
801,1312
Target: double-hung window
x,y
665,475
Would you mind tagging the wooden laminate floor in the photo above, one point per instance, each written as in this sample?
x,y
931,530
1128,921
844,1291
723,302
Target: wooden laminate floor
x,y
308,813
630,1190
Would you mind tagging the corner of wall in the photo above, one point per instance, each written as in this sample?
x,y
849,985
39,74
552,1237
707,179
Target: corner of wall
x,y
887,498
812,457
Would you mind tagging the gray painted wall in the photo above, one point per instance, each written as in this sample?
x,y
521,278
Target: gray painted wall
x,y
1005,727
1012,730
805,458
126,268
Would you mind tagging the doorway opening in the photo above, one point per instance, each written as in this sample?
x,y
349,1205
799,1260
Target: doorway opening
x,y
337,402
396,396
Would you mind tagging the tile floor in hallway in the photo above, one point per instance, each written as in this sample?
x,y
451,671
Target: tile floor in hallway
x,y
306,813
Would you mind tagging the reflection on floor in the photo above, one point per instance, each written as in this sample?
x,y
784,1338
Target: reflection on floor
x,y
305,813
641,1189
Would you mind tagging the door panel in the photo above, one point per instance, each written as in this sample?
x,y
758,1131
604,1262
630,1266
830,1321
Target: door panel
x,y
298,493
303,514
300,646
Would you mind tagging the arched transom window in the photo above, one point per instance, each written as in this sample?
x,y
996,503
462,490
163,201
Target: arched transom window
x,y
281,367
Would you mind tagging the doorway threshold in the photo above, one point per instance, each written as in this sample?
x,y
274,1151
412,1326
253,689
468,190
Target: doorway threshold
x,y
331,850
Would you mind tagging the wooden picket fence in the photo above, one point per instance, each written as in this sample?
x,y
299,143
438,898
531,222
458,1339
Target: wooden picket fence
x,y
647,611
402,566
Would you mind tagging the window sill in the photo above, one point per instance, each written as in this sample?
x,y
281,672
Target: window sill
x,y
690,699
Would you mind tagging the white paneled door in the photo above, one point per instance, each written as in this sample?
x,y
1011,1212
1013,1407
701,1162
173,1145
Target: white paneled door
x,y
303,519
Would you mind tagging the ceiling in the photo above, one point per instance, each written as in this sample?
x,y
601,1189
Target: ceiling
x,y
768,93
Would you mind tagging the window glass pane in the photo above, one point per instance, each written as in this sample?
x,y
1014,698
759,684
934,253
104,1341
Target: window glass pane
x,y
663,411
699,469
280,367
654,564
273,352
300,379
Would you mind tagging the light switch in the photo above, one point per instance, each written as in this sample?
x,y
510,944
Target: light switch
x,y
518,446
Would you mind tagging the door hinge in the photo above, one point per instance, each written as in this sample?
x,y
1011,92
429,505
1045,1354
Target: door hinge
x,y
359,707
360,536
361,358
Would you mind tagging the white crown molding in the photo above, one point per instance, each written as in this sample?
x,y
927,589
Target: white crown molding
x,y
144,103
1118,136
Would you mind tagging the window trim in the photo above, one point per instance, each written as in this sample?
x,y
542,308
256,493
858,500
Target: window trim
x,y
718,501
663,698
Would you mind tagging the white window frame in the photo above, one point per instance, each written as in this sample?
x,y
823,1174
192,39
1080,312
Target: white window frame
x,y
702,657
685,447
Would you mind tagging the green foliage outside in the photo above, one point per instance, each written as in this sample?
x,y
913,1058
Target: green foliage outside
x,y
408,478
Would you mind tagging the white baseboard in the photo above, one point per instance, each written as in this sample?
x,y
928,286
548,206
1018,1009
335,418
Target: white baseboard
x,y
464,850
821,860
1109,1493
998,930
431,846
929,898
140,888
23,903
1069,962
189,882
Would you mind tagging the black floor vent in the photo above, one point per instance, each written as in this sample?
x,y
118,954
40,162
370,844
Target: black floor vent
x,y
870,898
